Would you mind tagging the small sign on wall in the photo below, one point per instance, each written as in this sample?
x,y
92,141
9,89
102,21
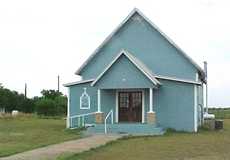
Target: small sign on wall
x,y
85,100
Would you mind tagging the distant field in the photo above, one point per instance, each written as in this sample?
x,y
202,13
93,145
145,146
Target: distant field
x,y
220,113
204,145
29,132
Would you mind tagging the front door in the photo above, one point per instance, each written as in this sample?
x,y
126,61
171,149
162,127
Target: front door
x,y
130,106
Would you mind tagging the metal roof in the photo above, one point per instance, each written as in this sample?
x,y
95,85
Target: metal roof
x,y
135,10
78,82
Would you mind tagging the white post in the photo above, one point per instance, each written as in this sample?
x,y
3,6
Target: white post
x,y
68,125
150,100
112,117
99,100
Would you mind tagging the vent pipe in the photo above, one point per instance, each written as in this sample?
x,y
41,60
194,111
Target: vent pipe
x,y
206,80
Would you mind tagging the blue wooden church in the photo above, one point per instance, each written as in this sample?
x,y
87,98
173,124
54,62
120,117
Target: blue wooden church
x,y
138,81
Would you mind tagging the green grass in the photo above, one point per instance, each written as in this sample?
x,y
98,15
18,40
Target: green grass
x,y
28,132
221,113
205,145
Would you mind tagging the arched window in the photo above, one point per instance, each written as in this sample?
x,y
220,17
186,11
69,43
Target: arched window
x,y
85,100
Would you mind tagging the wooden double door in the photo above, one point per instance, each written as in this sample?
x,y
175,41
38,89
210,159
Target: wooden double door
x,y
130,106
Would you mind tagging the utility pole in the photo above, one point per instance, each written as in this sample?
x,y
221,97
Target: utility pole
x,y
25,91
58,83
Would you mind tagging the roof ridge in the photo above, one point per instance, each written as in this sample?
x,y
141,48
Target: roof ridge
x,y
136,10
130,57
143,66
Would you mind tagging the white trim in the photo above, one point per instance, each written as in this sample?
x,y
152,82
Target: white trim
x,y
143,103
98,100
148,75
199,106
150,100
143,106
156,76
178,79
88,99
135,10
78,82
104,42
116,110
195,108
197,77
68,110
170,41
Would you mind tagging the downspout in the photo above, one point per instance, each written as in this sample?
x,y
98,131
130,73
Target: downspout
x,y
206,86
206,115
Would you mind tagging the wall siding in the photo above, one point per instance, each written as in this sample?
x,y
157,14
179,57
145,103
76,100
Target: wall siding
x,y
75,93
123,74
145,43
108,101
174,103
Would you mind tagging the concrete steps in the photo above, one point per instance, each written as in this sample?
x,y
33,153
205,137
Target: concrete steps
x,y
127,128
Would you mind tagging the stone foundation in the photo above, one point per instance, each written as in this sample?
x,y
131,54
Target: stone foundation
x,y
151,118
99,117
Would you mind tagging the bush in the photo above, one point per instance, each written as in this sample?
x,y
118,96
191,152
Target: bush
x,y
61,105
27,106
46,107
12,100
51,107
51,103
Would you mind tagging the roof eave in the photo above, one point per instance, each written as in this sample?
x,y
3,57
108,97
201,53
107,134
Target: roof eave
x,y
77,82
78,72
135,10
153,80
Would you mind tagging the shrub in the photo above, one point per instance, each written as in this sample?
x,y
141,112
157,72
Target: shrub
x,y
27,106
61,105
12,100
51,107
46,107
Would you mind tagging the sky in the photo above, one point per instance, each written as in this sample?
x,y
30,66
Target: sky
x,y
40,40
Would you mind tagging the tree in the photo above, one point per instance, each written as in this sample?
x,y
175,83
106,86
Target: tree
x,y
46,107
52,94
51,103
12,100
61,104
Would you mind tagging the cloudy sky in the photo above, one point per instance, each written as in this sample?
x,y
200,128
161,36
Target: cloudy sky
x,y
41,39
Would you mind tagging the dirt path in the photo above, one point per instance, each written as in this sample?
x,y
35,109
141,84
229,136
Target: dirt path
x,y
53,151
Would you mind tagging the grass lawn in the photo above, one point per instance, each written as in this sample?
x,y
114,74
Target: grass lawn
x,y
221,113
205,145
28,132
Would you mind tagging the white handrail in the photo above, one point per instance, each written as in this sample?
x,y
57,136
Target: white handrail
x,y
79,116
107,116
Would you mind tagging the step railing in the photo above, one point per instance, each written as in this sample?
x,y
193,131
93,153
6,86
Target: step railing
x,y
107,116
80,120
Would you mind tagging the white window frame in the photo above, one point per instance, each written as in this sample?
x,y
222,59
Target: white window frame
x,y
143,103
85,94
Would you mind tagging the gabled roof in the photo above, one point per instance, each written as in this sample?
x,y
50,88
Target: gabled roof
x,y
135,10
78,82
147,72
